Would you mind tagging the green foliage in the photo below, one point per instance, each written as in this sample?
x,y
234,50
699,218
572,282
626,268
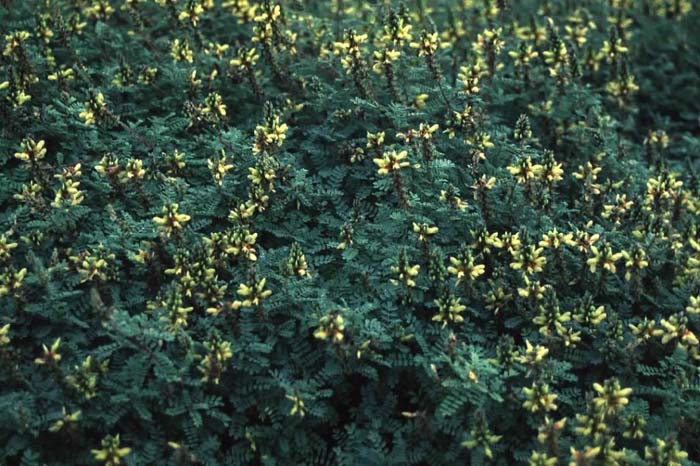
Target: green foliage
x,y
349,233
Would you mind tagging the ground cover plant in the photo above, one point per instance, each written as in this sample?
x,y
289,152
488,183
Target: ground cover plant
x,y
239,232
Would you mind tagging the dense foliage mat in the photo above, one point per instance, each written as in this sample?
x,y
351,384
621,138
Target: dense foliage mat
x,y
349,232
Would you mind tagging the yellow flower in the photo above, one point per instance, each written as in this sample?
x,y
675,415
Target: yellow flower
x,y
180,50
511,242
542,459
14,42
4,339
253,292
587,171
668,454
451,198
524,170
6,248
603,257
95,109
611,396
50,354
645,329
449,309
110,453
375,139
657,138
585,240
532,289
586,456
551,170
67,419
31,151
465,266
694,306
550,429
245,61
634,261
523,55
424,231
428,44
11,280
219,167
405,270
391,161
172,220
622,87
99,9
420,100
214,106
529,260
297,405
212,365
591,314
191,13
554,239
539,398
384,58
617,209
532,354
331,325
269,135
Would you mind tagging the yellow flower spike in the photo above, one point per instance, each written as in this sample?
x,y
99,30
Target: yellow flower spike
x,y
253,292
539,398
95,109
32,151
611,396
6,247
375,139
297,405
244,290
533,354
666,453
689,338
420,100
529,259
219,167
555,239
191,13
542,459
391,161
694,305
404,270
464,266
14,42
634,261
603,257
524,170
50,354
172,220
331,325
180,51
111,453
583,457
213,364
428,44
11,281
4,331
424,231
65,420
550,429
449,309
